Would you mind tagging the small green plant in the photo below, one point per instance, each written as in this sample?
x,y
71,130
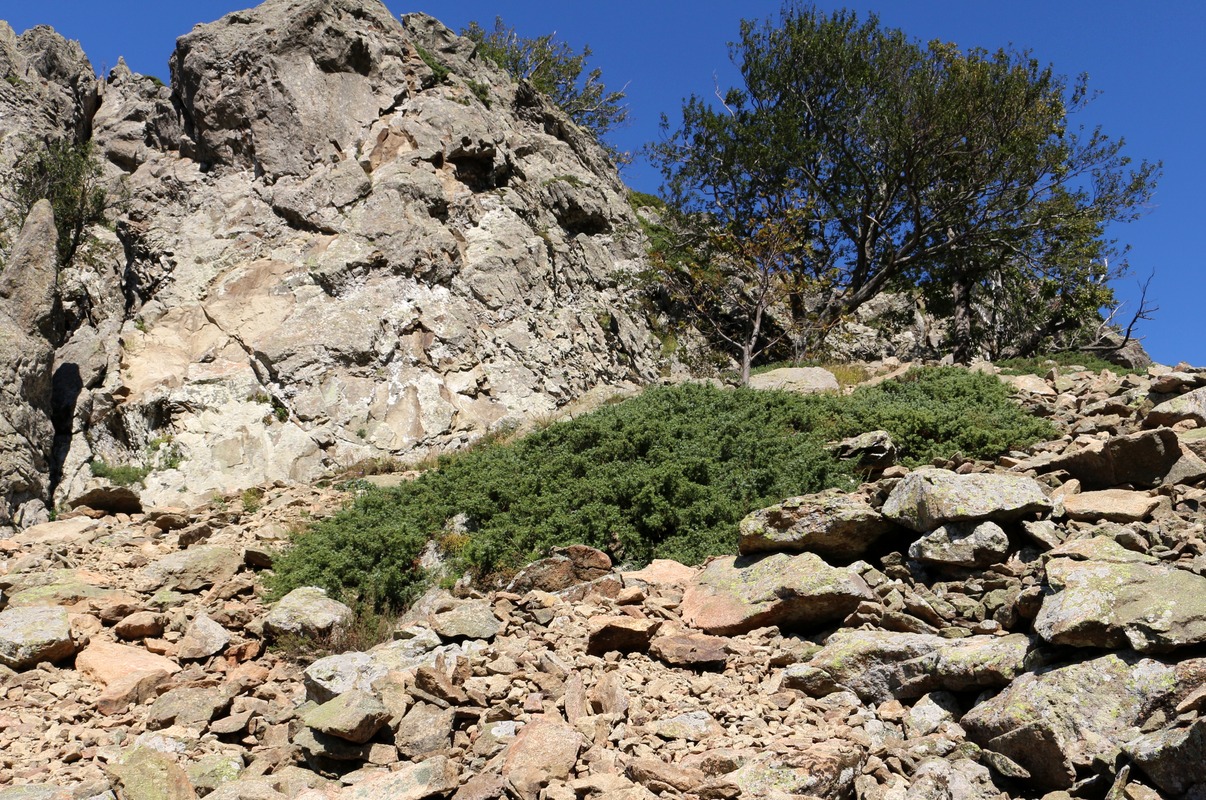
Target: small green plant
x,y
69,176
439,72
638,200
361,433
166,452
155,79
481,91
1041,365
12,80
252,499
119,474
281,413
572,180
260,396
140,325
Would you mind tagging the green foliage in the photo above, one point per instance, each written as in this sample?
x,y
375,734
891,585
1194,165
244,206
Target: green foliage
x,y
439,72
667,474
119,474
68,175
252,499
939,411
481,91
554,68
1041,365
912,164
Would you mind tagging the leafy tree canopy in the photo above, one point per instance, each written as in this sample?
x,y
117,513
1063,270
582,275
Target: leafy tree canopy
x,y
911,164
554,68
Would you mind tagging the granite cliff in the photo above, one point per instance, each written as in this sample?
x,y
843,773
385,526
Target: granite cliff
x,y
336,236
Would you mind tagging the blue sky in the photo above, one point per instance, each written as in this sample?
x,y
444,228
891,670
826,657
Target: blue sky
x,y
1148,60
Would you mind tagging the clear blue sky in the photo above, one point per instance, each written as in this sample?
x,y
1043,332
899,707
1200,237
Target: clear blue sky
x,y
1148,60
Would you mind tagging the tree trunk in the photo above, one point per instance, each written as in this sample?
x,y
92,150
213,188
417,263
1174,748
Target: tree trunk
x,y
961,333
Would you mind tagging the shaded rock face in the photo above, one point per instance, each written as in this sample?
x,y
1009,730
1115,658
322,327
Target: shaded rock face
x,y
330,253
28,302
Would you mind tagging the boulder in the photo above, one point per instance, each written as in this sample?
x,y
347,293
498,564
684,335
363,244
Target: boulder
x,y
202,639
691,651
334,675
1189,406
545,750
1110,505
466,619
101,495
881,665
143,773
620,634
1057,720
1173,758
307,612
826,769
661,572
927,498
438,776
737,594
1141,459
106,663
831,524
566,567
190,570
1119,598
873,449
962,544
802,380
29,636
355,716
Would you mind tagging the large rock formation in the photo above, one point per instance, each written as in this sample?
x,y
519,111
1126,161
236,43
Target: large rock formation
x,y
345,236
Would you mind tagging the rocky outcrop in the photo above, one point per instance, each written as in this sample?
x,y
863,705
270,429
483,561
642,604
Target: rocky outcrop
x,y
320,254
28,317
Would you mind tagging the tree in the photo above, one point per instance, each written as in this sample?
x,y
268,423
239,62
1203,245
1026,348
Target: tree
x,y
552,67
917,164
68,175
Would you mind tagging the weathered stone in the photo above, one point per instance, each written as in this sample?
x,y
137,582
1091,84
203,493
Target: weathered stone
x,y
737,594
1142,459
962,544
466,619
1174,758
567,567
187,706
545,750
692,651
927,498
830,524
939,779
106,662
1110,505
134,687
661,572
147,774
873,449
1120,598
691,726
139,625
355,716
29,636
334,675
1189,406
1053,721
802,380
656,775
190,570
436,777
879,665
102,495
826,769
202,639
307,612
621,634
425,729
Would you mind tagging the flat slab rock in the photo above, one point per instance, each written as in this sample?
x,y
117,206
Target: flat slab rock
x,y
831,524
1053,721
1104,595
881,665
802,380
1110,505
927,498
734,595
1189,406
